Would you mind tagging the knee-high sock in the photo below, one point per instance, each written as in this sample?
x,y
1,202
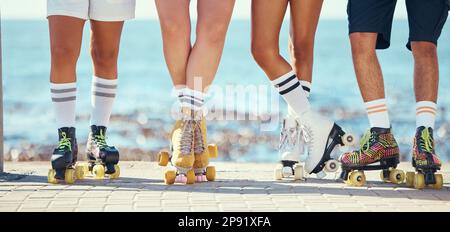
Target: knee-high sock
x,y
64,98
291,90
306,86
102,99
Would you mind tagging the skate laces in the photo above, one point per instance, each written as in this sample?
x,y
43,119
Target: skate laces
x,y
365,141
186,137
64,142
426,141
199,147
100,140
289,138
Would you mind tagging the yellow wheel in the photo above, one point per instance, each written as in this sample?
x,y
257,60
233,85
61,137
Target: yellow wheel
x,y
410,179
439,181
98,171
80,171
213,151
190,176
163,158
211,173
419,181
396,176
357,178
170,176
69,176
51,177
116,174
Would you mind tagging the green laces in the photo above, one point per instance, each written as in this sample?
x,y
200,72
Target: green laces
x,y
426,142
64,142
365,141
101,140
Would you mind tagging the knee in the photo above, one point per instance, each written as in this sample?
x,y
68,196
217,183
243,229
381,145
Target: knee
x,y
363,44
173,28
212,33
104,58
263,53
302,48
64,55
424,50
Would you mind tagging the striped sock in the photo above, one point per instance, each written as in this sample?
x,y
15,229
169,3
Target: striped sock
x,y
306,86
425,113
192,99
290,89
64,98
102,99
378,113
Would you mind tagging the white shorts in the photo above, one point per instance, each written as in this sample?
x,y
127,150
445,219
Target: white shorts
x,y
100,10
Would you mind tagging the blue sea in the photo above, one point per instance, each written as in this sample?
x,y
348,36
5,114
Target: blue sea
x,y
142,119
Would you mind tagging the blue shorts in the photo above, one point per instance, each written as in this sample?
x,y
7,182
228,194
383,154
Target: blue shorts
x,y
426,19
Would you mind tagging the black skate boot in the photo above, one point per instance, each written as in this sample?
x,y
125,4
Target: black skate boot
x,y
64,157
103,159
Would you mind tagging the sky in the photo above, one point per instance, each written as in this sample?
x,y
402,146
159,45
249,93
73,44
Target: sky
x,y
145,9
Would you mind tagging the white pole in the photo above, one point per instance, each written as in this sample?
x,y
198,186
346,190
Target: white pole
x,y
1,101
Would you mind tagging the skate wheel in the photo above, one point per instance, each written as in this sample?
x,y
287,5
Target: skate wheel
x,y
410,179
51,177
298,172
419,181
170,176
69,176
286,171
357,178
439,181
278,173
211,173
79,171
163,158
332,166
384,179
213,151
396,176
190,177
98,171
348,140
116,174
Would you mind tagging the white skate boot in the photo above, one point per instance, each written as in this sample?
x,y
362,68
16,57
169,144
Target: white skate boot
x,y
322,136
290,149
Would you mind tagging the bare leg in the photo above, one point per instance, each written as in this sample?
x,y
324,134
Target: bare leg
x,y
426,71
304,19
213,20
367,69
65,43
267,18
176,32
105,41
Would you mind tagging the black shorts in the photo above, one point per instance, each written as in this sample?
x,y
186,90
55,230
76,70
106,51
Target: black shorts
x,y
426,19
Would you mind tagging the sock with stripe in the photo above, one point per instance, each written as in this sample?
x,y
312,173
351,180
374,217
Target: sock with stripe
x,y
291,90
306,86
64,98
425,113
192,99
102,99
377,112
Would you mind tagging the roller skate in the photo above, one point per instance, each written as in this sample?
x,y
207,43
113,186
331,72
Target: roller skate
x,y
291,147
203,151
102,158
322,136
181,154
64,158
425,161
378,151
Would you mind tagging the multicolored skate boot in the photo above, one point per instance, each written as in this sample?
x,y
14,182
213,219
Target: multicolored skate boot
x,y
425,161
181,154
322,136
292,146
103,159
203,151
378,151
64,157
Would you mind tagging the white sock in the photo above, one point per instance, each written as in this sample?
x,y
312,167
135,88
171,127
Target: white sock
x,y
306,86
425,113
102,99
192,99
378,113
64,98
290,89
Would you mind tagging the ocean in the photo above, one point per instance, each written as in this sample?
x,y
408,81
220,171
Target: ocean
x,y
141,116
